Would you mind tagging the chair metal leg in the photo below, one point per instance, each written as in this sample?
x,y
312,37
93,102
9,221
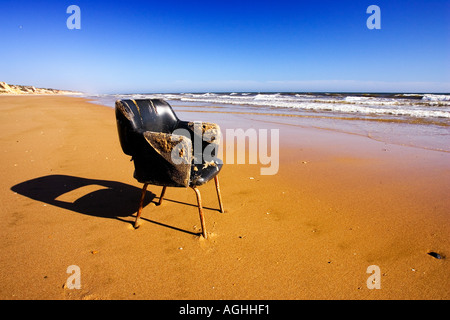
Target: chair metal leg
x,y
200,211
216,180
199,202
162,195
141,203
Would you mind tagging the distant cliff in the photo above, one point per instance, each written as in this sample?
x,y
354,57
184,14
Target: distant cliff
x,y
19,89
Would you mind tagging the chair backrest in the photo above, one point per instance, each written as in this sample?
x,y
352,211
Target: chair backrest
x,y
152,115
137,116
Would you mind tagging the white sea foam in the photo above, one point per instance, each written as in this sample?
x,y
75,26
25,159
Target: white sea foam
x,y
436,97
338,103
356,99
430,106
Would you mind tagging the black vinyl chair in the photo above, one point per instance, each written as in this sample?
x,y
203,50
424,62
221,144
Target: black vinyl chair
x,y
166,151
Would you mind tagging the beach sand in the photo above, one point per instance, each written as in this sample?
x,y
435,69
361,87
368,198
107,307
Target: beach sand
x,y
339,204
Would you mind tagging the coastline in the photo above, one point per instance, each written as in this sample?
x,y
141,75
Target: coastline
x,y
339,203
419,120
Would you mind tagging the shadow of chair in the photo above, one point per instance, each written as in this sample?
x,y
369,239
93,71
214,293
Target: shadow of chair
x,y
99,198
106,199
167,151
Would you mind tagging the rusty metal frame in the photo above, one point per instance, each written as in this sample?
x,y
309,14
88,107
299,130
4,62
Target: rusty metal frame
x,y
162,195
141,203
199,204
200,211
216,180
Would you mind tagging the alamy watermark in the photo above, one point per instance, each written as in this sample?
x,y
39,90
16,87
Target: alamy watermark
x,y
374,20
74,280
236,146
74,20
374,280
258,148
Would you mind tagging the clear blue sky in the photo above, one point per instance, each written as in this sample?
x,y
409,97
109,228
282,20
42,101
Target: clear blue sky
x,y
186,46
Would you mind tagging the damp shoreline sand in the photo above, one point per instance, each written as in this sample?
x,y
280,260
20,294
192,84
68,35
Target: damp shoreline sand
x,y
339,204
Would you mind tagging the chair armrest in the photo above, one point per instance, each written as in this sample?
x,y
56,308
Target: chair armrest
x,y
205,137
207,131
176,150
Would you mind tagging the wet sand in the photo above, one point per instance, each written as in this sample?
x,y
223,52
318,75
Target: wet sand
x,y
339,204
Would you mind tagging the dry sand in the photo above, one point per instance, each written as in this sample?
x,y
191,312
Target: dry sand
x,y
339,204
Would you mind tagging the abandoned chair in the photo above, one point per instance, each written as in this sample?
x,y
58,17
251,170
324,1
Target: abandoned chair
x,y
167,151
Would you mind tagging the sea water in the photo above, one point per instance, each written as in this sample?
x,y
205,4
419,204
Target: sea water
x,y
413,119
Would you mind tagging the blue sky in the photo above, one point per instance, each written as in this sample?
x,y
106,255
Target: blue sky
x,y
201,46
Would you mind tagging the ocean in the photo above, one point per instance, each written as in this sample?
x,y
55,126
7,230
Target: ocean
x,y
413,119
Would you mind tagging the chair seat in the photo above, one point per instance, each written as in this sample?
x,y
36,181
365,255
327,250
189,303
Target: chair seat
x,y
202,173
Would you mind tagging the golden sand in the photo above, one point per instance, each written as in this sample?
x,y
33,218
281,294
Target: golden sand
x,y
339,204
